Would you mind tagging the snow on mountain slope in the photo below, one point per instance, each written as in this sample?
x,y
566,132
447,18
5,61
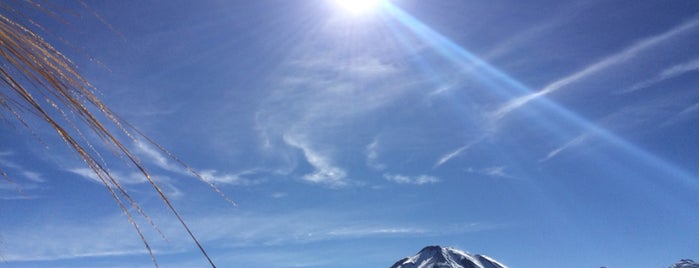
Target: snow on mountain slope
x,y
446,257
686,263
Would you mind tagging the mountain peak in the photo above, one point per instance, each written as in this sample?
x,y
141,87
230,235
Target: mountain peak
x,y
446,257
685,263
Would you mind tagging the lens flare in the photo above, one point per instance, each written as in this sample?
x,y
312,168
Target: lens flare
x,y
359,6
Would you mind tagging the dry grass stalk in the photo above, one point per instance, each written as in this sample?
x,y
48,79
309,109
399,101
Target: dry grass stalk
x,y
32,71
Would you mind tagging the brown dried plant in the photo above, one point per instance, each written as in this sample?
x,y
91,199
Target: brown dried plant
x,y
38,80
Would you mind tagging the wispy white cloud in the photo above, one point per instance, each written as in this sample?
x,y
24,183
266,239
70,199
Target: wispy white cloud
x,y
572,143
451,155
17,179
18,197
54,240
279,195
123,178
33,176
494,171
319,92
666,74
8,163
232,179
112,235
685,114
158,158
131,179
535,32
445,158
622,56
418,180
325,172
690,109
372,155
161,160
443,89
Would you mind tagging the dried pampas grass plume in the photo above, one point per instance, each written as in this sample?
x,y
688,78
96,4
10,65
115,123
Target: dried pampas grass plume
x,y
37,80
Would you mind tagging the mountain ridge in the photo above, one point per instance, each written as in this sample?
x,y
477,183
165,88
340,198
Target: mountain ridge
x,y
685,263
446,257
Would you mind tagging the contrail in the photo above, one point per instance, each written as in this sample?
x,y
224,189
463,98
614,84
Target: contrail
x,y
619,57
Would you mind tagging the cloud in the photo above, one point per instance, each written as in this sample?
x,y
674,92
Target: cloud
x,y
33,176
516,41
210,175
18,181
445,158
18,197
494,171
325,172
372,155
158,158
449,156
447,86
131,178
7,163
574,142
121,177
682,115
232,179
666,74
417,180
690,109
622,56
52,240
113,236
279,195
322,91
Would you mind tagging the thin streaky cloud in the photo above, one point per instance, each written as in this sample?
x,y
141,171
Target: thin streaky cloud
x,y
19,197
110,237
690,109
10,164
494,171
445,158
681,69
417,180
158,158
682,115
33,176
498,171
515,41
574,142
372,155
125,178
130,178
666,74
449,156
325,172
444,88
232,179
597,67
209,175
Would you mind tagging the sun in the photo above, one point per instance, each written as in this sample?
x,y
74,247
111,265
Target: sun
x,y
359,7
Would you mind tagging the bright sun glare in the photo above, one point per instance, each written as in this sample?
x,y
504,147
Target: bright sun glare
x,y
359,6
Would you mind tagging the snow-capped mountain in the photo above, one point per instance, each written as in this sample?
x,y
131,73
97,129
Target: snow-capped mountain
x,y
446,257
686,263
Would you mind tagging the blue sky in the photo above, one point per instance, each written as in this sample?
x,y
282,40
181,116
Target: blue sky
x,y
541,133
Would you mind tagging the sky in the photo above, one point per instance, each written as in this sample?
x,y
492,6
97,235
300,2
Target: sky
x,y
540,133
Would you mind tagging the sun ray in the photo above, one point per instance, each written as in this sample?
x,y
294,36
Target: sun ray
x,y
359,7
510,88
